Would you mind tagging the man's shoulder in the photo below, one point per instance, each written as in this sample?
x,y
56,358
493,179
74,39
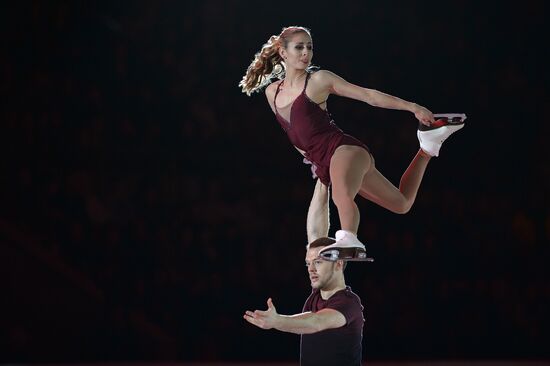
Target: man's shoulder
x,y
349,292
347,296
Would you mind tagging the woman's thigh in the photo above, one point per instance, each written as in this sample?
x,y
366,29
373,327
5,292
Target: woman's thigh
x,y
348,166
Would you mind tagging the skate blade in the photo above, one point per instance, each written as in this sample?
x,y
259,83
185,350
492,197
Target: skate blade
x,y
451,118
346,254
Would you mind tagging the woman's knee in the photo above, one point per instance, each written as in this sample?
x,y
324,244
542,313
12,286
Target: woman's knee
x,y
342,198
402,207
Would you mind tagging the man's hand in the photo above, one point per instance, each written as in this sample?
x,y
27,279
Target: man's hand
x,y
263,319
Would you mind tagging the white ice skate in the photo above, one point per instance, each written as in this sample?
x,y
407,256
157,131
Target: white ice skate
x,y
432,137
347,247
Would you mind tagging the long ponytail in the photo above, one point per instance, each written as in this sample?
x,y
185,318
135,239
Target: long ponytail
x,y
268,64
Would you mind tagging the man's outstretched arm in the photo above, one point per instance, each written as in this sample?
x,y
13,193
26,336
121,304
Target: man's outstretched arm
x,y
304,323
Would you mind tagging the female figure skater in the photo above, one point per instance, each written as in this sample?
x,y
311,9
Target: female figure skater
x,y
299,101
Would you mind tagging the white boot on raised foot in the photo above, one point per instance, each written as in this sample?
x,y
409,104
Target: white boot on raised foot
x,y
432,137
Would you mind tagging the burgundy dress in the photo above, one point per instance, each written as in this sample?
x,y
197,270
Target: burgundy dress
x,y
311,129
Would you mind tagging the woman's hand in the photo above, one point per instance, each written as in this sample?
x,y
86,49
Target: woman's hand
x,y
423,115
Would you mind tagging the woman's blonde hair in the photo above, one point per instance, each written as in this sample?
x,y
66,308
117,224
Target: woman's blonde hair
x,y
267,63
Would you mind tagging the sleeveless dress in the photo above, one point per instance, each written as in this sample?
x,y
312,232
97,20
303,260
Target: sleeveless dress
x,y
311,129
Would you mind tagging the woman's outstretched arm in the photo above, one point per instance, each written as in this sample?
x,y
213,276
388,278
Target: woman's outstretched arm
x,y
338,86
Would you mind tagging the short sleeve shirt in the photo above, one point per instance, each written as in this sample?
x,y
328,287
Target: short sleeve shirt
x,y
339,346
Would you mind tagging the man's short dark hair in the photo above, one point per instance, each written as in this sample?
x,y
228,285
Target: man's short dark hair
x,y
323,242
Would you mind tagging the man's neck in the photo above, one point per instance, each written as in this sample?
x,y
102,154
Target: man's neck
x,y
328,291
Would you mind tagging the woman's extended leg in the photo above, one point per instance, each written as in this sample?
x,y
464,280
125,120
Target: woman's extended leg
x,y
375,187
348,166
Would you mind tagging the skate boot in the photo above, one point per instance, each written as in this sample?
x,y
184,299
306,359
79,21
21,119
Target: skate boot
x,y
347,247
432,137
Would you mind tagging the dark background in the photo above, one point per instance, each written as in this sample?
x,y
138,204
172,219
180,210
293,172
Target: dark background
x,y
146,202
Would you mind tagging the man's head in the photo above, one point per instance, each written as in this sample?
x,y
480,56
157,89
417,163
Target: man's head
x,y
323,274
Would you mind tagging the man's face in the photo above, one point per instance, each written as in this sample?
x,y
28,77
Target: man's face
x,y
321,272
